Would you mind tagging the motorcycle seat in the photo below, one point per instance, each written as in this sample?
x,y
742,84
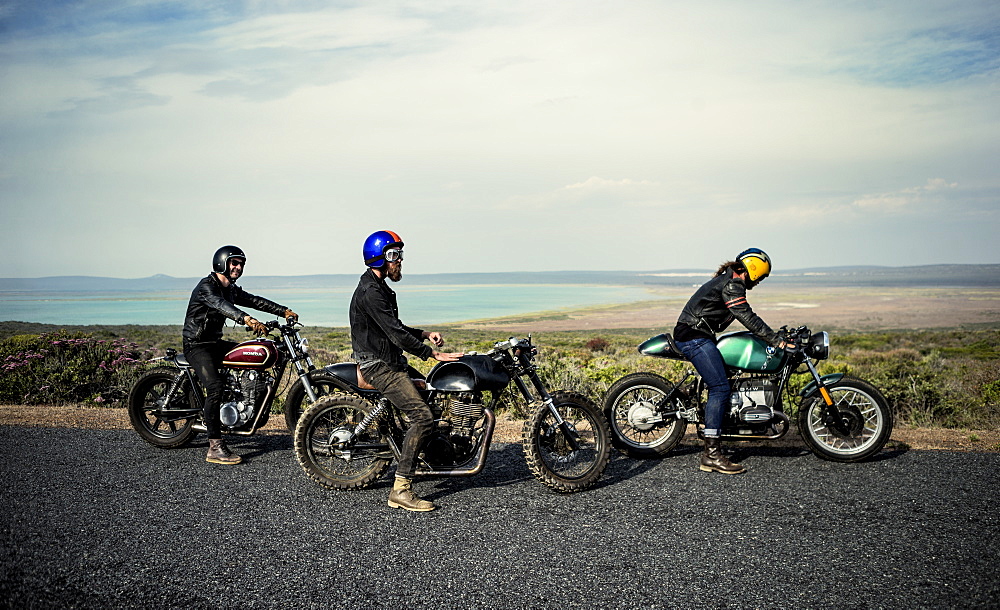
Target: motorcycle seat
x,y
351,373
419,383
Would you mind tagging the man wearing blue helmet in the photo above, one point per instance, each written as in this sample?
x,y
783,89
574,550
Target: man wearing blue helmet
x,y
379,340
711,310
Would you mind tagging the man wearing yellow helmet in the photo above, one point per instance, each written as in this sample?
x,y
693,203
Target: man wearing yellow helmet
x,y
711,310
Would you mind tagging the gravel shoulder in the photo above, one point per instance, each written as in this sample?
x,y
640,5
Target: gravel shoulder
x,y
508,429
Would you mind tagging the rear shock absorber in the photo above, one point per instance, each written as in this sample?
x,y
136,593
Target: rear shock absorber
x,y
371,416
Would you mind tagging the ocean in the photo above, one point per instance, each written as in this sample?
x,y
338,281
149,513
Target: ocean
x,y
420,305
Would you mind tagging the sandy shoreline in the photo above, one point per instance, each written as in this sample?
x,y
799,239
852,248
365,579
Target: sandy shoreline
x,y
836,308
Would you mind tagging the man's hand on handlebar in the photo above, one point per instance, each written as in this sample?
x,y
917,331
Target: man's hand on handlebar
x,y
291,317
255,326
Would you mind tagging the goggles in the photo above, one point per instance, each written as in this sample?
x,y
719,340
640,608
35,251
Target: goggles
x,y
393,254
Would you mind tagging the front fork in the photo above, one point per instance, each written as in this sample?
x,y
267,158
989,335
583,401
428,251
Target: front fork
x,y
831,414
302,370
568,429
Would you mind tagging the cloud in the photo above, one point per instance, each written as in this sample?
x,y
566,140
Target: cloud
x,y
595,183
904,199
594,192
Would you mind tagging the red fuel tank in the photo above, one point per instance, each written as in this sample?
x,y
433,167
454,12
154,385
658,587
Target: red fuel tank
x,y
257,354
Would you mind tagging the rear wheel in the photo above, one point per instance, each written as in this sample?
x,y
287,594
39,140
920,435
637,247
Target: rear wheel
x,y
150,414
637,426
323,450
570,457
864,426
297,401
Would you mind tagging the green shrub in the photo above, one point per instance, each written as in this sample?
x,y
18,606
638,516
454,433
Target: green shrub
x,y
940,377
61,367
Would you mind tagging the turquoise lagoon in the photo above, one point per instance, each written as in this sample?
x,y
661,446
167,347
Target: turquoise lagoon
x,y
420,305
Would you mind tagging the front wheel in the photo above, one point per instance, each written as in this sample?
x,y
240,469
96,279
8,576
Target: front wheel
x,y
323,384
328,454
634,412
567,457
864,427
150,414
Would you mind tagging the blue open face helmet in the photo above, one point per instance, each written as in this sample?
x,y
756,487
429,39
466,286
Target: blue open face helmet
x,y
377,243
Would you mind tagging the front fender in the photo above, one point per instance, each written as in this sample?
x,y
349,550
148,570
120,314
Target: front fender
x,y
812,388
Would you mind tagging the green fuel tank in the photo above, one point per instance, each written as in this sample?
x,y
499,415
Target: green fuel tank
x,y
743,350
748,352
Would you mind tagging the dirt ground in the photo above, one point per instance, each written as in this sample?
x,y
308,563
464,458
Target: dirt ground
x,y
508,429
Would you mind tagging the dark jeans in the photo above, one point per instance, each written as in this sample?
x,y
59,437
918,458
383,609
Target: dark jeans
x,y
707,360
206,359
399,389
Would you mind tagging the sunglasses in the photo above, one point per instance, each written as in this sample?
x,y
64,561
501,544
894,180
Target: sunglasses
x,y
235,262
392,255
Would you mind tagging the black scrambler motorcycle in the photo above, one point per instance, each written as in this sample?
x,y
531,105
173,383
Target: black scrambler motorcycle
x,y
840,418
348,439
165,403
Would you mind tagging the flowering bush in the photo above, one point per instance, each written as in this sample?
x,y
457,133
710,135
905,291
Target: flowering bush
x,y
61,367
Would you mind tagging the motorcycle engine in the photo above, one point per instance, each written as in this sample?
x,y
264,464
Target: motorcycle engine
x,y
751,400
455,416
244,392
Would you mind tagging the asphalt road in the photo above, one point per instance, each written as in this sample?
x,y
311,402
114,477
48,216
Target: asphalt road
x,y
98,518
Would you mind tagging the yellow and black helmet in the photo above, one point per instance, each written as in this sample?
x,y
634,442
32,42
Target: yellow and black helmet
x,y
757,263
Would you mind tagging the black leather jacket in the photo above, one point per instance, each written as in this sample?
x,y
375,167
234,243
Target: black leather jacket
x,y
715,306
376,331
211,303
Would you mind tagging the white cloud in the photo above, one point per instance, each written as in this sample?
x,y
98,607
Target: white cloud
x,y
905,198
595,183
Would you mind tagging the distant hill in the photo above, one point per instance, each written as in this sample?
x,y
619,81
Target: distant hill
x,y
926,275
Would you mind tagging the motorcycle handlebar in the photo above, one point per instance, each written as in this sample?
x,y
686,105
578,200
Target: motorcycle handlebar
x,y
276,325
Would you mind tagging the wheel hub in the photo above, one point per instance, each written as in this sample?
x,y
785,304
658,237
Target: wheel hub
x,y
851,423
641,415
338,442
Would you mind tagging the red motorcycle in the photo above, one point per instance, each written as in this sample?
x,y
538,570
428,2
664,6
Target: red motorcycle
x,y
165,404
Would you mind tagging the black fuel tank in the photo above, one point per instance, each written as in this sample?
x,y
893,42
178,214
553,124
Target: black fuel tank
x,y
470,373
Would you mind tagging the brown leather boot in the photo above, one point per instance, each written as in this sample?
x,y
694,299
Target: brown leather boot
x,y
714,460
219,453
402,496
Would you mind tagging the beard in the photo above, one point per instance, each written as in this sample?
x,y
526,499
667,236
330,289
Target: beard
x,y
394,272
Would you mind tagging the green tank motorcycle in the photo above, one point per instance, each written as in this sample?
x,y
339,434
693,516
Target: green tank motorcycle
x,y
840,418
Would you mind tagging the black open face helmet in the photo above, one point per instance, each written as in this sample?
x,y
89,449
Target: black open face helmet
x,y
220,262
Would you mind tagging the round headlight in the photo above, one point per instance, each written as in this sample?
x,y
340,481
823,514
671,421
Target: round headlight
x,y
819,346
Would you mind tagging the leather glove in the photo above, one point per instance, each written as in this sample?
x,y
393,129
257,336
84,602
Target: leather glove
x,y
290,316
255,326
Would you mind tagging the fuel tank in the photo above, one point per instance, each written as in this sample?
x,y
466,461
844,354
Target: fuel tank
x,y
470,373
748,352
255,354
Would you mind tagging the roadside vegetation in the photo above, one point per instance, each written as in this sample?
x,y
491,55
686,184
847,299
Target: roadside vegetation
x,y
936,378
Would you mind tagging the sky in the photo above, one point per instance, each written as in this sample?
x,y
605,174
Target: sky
x,y
138,136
